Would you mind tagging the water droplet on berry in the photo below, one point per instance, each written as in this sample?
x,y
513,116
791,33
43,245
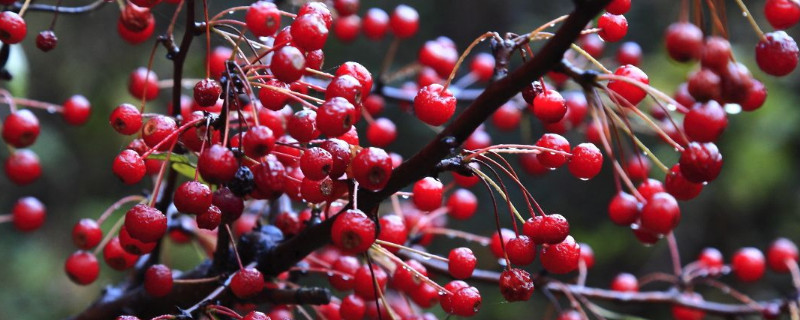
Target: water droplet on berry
x,y
230,12
442,293
329,273
733,108
584,179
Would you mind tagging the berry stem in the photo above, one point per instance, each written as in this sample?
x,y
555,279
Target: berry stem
x,y
196,281
425,255
389,58
499,190
160,177
750,19
24,8
147,76
6,218
552,23
111,233
233,244
228,11
30,103
513,148
645,149
116,205
174,19
674,254
402,263
458,234
590,58
299,97
464,56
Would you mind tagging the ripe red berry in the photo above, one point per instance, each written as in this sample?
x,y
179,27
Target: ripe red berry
x,y
145,223
346,7
756,95
335,116
22,167
263,18
255,315
780,252
612,27
126,119
136,24
345,86
28,214
547,229
447,300
711,259
76,110
439,55
405,280
650,187
318,8
425,295
346,28
21,128
345,267
705,122
404,21
462,204
461,263
247,283
12,27
217,164
374,104
701,162
288,64
116,257
716,53
555,142
549,106
507,117
627,91
352,308
258,141
340,151
682,189
434,105
157,129
82,267
129,167
748,264
428,194
353,232
629,53
680,312
465,302
372,168
521,250
86,234
316,163
269,177
561,258
303,125
309,31
624,209
158,280
273,99
705,85
586,161
530,163
375,24
660,214
133,246
382,132
684,41
587,255
482,66
496,246
625,282
206,92
516,285
365,282
392,229
143,84
192,197
777,54
782,14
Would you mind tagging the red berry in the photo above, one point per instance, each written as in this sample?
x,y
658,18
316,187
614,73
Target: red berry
x,y
352,308
592,44
441,56
482,66
270,177
587,255
586,161
570,315
701,162
716,53
382,132
136,24
748,264
217,164
777,54
650,187
561,258
375,24
22,167
447,300
682,189
288,64
365,282
782,14
28,214
547,229
516,285
192,197
495,245
392,229
145,223
316,163
254,315
340,151
462,204
143,83
317,8
711,258
629,53
661,213
629,95
158,280
507,117
428,194
263,18
347,28
756,95
133,246
549,106
21,128
116,257
303,126
345,86
129,167
335,116
374,104
624,209
346,7
705,85
434,105
272,99
309,31
82,267
345,267
404,21
466,302
126,119
425,295
521,250
612,27
530,163
680,312
780,252
157,129
461,263
705,122
372,168
353,232
407,281
618,6
555,142
247,283
684,41
76,110
207,92
86,234
12,27
258,141
625,282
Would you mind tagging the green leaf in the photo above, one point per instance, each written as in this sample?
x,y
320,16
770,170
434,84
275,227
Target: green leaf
x,y
178,158
184,169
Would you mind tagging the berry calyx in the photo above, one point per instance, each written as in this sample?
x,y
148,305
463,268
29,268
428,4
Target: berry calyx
x,y
353,232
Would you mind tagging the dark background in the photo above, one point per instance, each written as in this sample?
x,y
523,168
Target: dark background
x,y
754,201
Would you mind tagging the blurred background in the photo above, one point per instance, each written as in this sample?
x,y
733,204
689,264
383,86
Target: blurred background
x,y
754,201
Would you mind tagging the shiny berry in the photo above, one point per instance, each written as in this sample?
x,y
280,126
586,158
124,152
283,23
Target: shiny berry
x,y
705,122
630,93
365,282
86,234
777,54
748,264
12,27
434,105
404,21
428,194
23,167
372,168
157,129
352,308
309,32
263,18
549,106
701,162
555,142
618,6
82,267
782,14
547,229
145,223
129,167
158,280
126,119
375,24
143,83
461,263
192,197
711,258
345,86
336,116
779,254
217,164
561,258
382,132
116,257
516,285
586,161
393,229
462,204
340,152
76,110
133,246
247,283
612,27
624,209
288,64
407,281
661,213
345,268
682,189
625,282
629,53
346,28
207,92
28,214
521,250
21,128
353,232
684,41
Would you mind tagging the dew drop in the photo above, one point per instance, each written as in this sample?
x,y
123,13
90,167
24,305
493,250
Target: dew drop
x,y
484,242
330,274
744,14
733,108
230,12
346,278
51,109
442,293
405,196
584,179
552,25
